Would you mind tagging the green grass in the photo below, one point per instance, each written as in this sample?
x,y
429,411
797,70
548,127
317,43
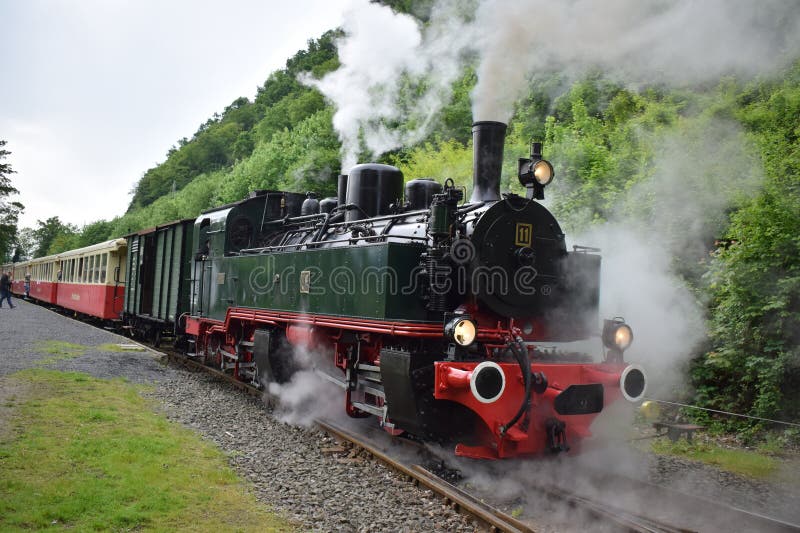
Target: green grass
x,y
60,350
89,454
745,462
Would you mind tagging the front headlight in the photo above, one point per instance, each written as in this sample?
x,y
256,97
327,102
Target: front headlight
x,y
462,330
623,337
617,335
543,172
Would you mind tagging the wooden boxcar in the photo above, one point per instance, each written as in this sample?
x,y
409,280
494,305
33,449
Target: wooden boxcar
x,y
158,282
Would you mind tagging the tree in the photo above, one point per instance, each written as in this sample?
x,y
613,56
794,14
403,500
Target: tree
x,y
53,231
26,244
94,233
9,211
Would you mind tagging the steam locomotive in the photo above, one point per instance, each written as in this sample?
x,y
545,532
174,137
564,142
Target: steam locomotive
x,y
427,310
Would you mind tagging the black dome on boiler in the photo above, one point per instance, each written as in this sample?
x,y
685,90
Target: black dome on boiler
x,y
373,188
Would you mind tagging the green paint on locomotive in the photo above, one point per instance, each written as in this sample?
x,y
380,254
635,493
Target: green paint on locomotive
x,y
375,281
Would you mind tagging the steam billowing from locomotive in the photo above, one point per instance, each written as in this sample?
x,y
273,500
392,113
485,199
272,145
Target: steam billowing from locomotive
x,y
515,41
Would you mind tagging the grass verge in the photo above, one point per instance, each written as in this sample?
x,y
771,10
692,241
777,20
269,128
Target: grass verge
x,y
745,462
59,351
90,454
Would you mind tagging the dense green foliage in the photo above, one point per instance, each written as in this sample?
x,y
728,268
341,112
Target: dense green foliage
x,y
755,281
693,166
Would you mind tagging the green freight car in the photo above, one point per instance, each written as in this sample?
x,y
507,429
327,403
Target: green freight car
x,y
158,281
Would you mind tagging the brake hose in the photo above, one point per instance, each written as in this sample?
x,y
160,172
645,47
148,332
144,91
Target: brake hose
x,y
521,355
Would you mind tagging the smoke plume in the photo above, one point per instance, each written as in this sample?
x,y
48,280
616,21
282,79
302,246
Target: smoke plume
x,y
393,71
395,74
665,42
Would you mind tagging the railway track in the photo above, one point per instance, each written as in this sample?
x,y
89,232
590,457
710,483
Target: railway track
x,y
603,513
488,516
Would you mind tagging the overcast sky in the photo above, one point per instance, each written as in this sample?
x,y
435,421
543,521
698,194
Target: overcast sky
x,y
94,92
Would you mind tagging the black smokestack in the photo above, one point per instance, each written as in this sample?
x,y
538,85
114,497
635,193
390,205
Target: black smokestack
x,y
488,138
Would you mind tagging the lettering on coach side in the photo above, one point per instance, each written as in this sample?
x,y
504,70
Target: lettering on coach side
x,y
75,296
524,234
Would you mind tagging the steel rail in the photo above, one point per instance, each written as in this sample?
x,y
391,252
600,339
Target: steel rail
x,y
463,502
493,519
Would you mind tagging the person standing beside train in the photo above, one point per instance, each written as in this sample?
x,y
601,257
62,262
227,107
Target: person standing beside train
x,y
5,289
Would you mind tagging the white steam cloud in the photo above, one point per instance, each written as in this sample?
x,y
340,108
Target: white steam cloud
x,y
392,71
672,42
672,216
396,71
308,396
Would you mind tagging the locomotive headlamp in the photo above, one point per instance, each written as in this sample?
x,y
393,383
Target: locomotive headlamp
x,y
617,335
462,330
543,172
534,172
623,337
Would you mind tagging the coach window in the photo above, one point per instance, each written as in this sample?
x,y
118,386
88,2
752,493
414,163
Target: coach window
x,y
103,268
